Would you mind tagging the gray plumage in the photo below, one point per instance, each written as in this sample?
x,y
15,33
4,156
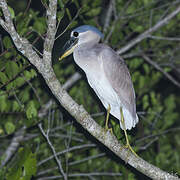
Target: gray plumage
x,y
107,74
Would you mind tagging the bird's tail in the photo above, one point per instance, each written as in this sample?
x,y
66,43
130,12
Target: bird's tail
x,y
129,120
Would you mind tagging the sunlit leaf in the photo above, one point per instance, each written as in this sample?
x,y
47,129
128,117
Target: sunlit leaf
x,y
10,127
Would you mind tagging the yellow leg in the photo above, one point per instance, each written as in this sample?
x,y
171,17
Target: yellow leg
x,y
125,132
107,119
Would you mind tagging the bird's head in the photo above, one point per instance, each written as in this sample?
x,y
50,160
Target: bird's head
x,y
80,35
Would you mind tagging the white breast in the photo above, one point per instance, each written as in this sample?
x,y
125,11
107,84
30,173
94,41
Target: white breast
x,y
103,90
98,81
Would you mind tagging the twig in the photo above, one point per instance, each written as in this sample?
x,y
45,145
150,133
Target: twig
x,y
116,19
86,159
114,9
164,38
18,137
158,134
149,31
63,136
72,163
148,144
83,175
68,24
53,150
34,90
72,80
142,10
65,151
28,5
44,109
161,70
108,16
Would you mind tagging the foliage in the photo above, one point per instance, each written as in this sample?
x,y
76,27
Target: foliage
x,y
24,166
23,92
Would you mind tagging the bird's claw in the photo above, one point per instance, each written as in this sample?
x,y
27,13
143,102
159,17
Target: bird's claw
x,y
128,146
108,129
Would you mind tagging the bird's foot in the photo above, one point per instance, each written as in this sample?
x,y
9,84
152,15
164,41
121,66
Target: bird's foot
x,y
128,146
108,129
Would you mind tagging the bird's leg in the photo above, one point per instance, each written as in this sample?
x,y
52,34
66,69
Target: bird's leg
x,y
125,132
107,119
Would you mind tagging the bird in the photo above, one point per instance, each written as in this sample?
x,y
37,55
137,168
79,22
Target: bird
x,y
107,74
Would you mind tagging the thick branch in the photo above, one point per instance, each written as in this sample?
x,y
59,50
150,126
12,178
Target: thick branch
x,y
51,30
149,31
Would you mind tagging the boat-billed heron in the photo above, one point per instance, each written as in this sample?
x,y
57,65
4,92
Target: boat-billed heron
x,y
106,73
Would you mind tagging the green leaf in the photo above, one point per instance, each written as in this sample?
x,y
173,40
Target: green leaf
x,y
141,81
146,68
69,14
135,63
96,3
73,24
10,86
8,55
33,73
3,77
94,11
11,12
19,81
27,74
3,103
31,111
15,106
30,166
7,42
24,95
11,69
40,25
145,101
60,2
130,9
24,167
60,15
9,126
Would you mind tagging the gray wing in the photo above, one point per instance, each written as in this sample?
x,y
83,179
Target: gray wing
x,y
119,77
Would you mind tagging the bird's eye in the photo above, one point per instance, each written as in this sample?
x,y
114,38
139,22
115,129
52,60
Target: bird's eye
x,y
75,34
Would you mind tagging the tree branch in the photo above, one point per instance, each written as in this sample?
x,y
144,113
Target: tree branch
x,y
46,135
18,137
108,16
78,112
51,31
161,70
88,175
149,31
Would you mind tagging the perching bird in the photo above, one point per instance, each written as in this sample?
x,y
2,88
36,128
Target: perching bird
x,y
107,74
